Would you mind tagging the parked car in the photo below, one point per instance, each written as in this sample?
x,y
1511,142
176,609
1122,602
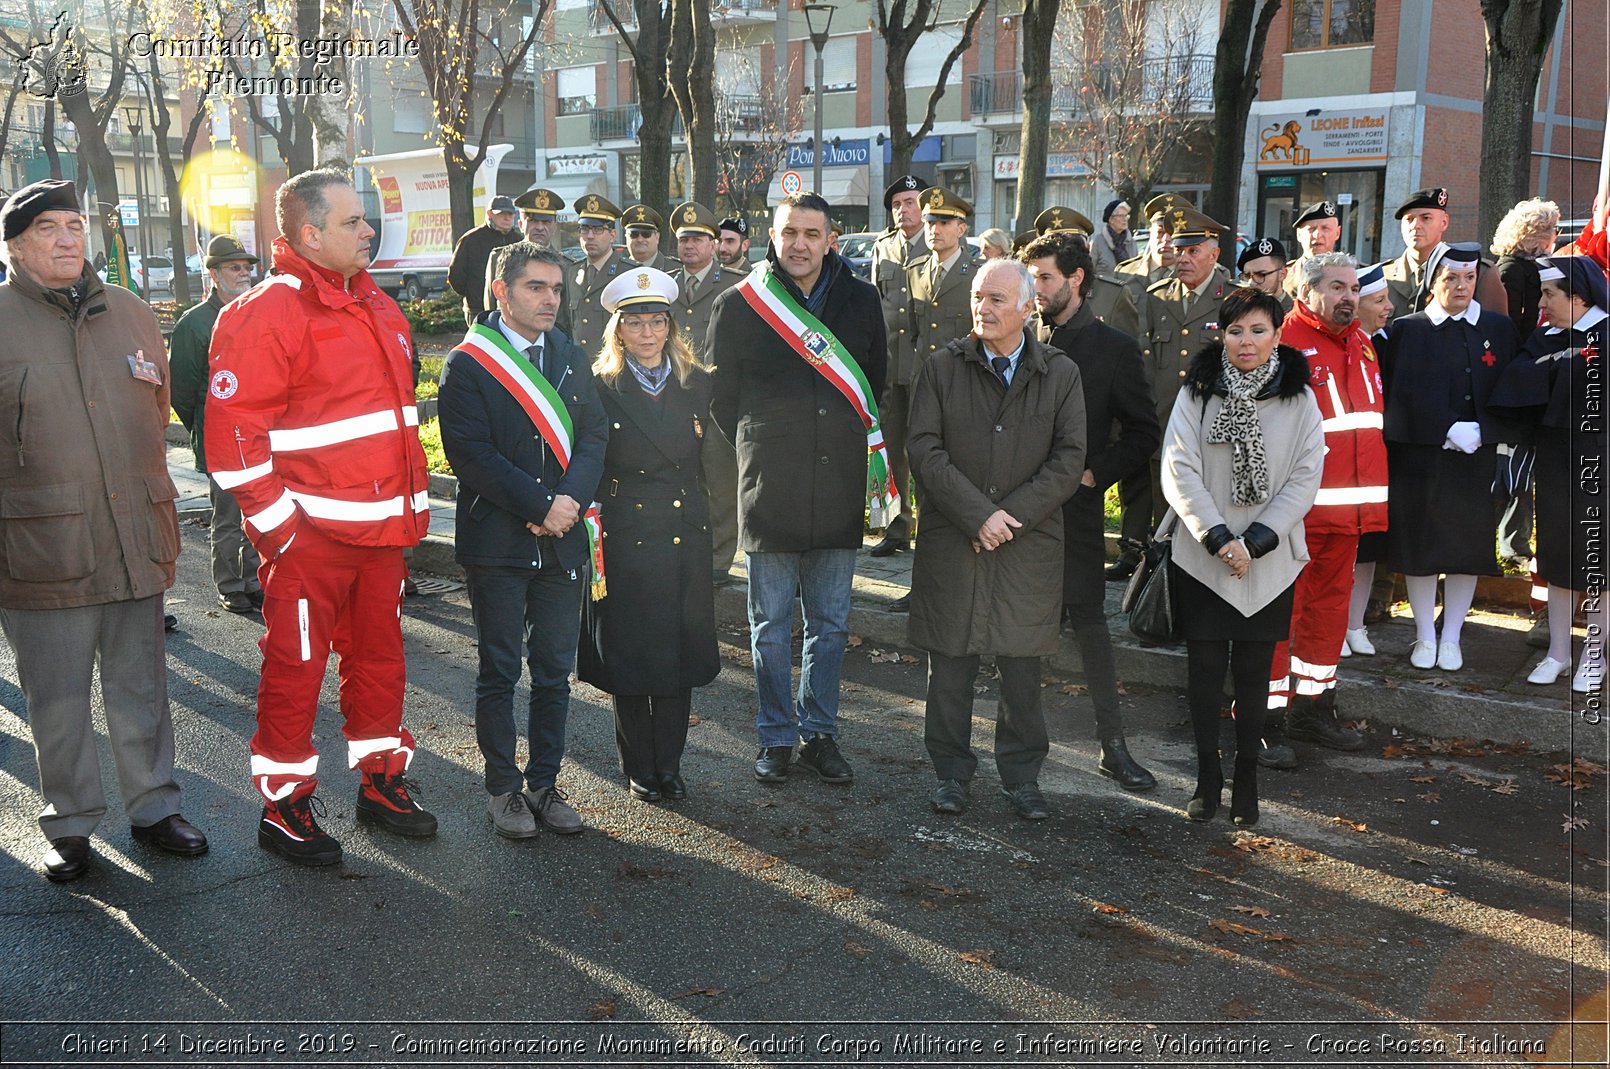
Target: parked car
x,y
857,249
157,276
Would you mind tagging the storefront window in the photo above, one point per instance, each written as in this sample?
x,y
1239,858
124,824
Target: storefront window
x,y
1358,198
1331,23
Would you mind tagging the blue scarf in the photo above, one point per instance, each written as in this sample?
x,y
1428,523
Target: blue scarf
x,y
651,379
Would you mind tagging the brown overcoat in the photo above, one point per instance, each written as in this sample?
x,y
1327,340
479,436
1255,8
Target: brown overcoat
x,y
86,504
977,446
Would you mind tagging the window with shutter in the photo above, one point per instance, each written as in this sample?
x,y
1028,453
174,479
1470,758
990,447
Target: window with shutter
x,y
928,55
838,64
577,89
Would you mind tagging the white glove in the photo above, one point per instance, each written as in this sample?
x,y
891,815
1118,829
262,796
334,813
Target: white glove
x,y
1464,436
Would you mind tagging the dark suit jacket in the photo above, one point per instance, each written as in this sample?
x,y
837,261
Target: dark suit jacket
x,y
507,475
1119,410
802,450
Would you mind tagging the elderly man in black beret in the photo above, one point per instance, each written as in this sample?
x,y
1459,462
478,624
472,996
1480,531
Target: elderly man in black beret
x,y
91,531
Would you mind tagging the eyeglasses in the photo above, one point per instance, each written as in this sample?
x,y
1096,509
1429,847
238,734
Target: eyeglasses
x,y
1258,277
588,228
638,324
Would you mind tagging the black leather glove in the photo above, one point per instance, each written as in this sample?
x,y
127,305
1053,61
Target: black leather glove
x,y
1217,538
1259,540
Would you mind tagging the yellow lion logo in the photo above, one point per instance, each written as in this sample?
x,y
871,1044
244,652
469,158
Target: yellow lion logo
x,y
1280,141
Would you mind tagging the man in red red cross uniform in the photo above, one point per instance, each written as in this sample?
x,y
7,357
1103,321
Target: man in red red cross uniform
x,y
312,426
1346,379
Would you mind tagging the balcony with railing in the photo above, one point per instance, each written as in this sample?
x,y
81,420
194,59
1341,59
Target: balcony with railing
x,y
737,12
619,123
598,20
736,115
1184,84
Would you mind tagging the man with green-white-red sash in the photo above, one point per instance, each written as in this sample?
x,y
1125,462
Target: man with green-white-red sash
x,y
800,354
525,432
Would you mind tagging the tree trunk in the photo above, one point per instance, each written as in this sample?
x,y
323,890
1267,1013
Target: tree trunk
x,y
1035,31
901,144
655,102
161,121
47,138
328,111
694,43
1518,35
1235,85
460,187
95,157
654,164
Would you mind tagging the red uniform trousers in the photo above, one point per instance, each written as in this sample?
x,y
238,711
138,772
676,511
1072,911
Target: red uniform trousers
x,y
321,595
1306,665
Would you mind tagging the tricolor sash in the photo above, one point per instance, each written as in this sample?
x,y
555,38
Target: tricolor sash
x,y
816,345
515,372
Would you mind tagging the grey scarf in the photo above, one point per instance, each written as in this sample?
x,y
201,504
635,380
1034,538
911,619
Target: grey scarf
x,y
1237,424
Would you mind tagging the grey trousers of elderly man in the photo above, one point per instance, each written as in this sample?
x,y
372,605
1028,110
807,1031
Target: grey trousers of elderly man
x,y
234,558
57,650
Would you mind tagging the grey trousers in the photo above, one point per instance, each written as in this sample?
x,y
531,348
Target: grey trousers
x,y
57,652
719,459
234,558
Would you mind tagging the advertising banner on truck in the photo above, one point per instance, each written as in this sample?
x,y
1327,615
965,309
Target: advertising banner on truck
x,y
416,225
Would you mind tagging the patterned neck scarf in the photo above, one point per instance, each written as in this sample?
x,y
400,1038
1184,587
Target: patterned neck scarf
x,y
651,379
1237,425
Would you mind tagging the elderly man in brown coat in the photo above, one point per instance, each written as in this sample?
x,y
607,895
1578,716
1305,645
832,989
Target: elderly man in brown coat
x,y
91,534
997,444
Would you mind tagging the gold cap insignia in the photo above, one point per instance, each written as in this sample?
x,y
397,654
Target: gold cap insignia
x,y
592,204
642,282
937,199
642,213
542,200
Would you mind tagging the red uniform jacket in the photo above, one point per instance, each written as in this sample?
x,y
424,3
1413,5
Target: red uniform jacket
x,y
310,410
1346,379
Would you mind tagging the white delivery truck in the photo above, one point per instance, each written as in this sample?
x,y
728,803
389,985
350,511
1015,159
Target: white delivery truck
x,y
416,222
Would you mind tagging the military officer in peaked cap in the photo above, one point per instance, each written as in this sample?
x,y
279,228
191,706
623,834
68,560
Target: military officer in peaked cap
x,y
596,218
1318,228
1152,265
940,287
700,279
1181,314
1262,265
895,250
644,226
1111,299
539,221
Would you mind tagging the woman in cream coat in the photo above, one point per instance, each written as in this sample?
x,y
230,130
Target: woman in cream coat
x,y
1242,458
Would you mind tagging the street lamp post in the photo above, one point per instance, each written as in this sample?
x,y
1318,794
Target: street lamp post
x,y
815,13
131,115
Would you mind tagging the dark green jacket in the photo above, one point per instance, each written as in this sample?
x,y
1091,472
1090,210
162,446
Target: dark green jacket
x,y
188,363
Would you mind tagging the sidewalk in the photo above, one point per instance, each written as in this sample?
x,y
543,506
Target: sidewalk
x,y
1488,700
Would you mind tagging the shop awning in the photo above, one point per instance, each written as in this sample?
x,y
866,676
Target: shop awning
x,y
841,186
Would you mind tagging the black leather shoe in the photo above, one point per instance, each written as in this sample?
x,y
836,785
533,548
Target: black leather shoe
x,y
67,858
1027,801
901,604
1276,752
1123,567
174,834
643,791
673,787
170,622
821,756
1117,765
1310,721
772,764
950,797
889,545
237,601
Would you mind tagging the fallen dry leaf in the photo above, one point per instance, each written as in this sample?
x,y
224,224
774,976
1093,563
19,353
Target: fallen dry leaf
x,y
1343,822
1105,907
884,657
984,959
707,992
604,1007
853,641
1236,1008
1436,890
839,894
857,950
1507,787
906,658
1254,911
1391,750
1430,796
1574,823
693,719
1250,843
1472,778
1231,927
1076,689
1578,775
1422,779
1277,937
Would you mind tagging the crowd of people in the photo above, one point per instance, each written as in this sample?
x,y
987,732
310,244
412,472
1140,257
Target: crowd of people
x,y
622,426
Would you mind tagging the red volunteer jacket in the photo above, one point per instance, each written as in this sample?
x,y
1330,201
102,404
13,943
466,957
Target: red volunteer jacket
x,y
1346,379
310,410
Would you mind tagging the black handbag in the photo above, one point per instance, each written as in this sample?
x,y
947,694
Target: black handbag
x,y
1152,597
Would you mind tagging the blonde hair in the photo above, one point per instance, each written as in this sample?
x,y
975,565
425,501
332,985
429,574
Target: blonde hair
x,y
997,238
610,363
1527,224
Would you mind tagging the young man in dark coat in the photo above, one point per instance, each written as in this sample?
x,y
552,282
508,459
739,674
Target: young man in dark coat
x,y
519,532
997,445
1124,433
802,474
472,255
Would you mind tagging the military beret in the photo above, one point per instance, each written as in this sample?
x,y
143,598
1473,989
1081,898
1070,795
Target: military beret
x,y
737,224
1258,249
906,183
1435,197
27,203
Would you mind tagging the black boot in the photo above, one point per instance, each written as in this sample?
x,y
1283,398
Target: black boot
x,y
1276,752
1117,765
896,537
1124,567
1314,720
1244,793
1204,804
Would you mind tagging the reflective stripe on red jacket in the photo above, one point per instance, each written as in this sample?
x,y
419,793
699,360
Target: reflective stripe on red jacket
x,y
310,410
1346,379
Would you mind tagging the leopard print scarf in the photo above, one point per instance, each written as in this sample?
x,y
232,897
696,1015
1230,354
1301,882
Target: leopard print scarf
x,y
1237,424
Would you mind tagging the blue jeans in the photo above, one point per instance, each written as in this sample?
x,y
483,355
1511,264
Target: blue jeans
x,y
822,579
536,614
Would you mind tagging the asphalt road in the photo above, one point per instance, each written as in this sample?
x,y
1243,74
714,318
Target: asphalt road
x,y
1418,903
